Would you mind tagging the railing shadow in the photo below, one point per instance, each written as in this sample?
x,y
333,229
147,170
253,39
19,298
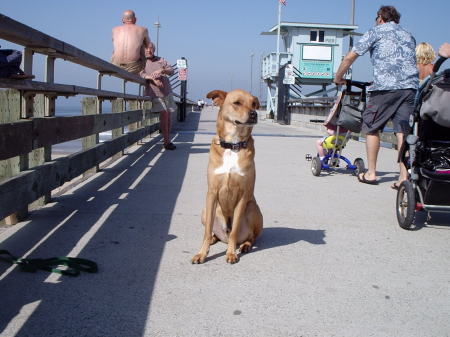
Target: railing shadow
x,y
120,220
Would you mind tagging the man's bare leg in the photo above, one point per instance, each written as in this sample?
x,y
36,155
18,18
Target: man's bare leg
x,y
403,172
372,148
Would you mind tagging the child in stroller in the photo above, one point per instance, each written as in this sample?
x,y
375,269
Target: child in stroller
x,y
343,119
426,152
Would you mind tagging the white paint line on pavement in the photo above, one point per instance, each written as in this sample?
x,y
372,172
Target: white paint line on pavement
x,y
81,244
90,199
14,326
6,273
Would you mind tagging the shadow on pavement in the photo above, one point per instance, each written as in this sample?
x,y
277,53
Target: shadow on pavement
x,y
272,237
120,219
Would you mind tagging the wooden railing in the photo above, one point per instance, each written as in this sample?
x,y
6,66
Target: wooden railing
x,y
312,112
29,128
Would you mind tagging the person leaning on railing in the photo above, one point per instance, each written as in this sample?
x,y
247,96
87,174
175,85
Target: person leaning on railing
x,y
159,90
10,60
129,41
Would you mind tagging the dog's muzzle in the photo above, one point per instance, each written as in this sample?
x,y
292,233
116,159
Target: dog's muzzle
x,y
252,119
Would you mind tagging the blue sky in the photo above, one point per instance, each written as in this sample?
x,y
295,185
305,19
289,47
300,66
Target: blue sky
x,y
217,37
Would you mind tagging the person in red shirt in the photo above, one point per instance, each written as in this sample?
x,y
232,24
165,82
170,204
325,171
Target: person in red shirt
x,y
158,87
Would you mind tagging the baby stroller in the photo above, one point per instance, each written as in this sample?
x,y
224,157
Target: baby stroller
x,y
426,152
346,115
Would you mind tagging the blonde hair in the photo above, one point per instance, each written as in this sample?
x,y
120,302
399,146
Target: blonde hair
x,y
425,53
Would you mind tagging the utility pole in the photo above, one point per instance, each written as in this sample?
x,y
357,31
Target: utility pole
x,y
251,72
157,24
353,23
278,58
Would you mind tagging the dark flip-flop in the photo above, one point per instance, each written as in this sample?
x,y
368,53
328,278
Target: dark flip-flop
x,y
362,179
395,186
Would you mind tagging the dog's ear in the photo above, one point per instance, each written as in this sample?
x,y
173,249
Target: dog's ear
x,y
256,102
218,96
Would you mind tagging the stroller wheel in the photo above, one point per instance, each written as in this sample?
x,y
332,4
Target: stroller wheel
x,y
406,205
360,167
316,166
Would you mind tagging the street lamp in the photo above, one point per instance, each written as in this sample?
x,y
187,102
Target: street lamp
x,y
251,73
157,24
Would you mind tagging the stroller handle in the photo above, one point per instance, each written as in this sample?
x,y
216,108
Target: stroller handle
x,y
438,64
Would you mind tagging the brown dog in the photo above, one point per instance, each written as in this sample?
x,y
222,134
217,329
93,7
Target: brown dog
x,y
231,214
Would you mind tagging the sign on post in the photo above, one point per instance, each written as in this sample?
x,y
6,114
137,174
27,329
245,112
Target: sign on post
x,y
181,64
289,76
182,74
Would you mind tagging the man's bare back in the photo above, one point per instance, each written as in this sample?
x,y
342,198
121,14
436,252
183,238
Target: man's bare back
x,y
129,41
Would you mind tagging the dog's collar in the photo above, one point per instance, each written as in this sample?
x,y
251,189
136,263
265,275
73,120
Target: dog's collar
x,y
233,146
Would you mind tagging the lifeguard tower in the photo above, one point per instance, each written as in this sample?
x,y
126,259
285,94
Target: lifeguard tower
x,y
314,50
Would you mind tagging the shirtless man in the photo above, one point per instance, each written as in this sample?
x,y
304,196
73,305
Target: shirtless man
x,y
129,41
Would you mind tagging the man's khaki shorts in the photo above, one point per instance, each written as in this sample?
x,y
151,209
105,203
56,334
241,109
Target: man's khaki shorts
x,y
164,104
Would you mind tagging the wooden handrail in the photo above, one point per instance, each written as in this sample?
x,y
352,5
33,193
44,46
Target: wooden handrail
x,y
21,137
20,190
26,36
64,89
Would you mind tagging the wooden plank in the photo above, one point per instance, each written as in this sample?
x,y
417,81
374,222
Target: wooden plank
x,y
22,189
117,106
24,35
15,139
24,136
10,110
64,89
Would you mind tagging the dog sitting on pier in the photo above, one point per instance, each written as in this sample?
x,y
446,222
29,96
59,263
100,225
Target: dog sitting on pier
x,y
231,214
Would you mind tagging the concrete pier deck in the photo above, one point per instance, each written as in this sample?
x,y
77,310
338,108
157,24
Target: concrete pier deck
x,y
332,260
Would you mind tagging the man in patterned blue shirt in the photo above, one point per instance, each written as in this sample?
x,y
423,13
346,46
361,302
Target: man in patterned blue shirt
x,y
395,81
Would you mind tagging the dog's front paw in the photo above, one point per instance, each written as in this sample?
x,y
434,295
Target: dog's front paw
x,y
232,258
199,258
245,247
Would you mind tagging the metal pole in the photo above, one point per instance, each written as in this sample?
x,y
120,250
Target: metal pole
x,y
183,98
157,24
251,73
353,12
353,23
278,55
350,42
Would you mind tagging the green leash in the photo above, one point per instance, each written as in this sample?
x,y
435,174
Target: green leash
x,y
74,265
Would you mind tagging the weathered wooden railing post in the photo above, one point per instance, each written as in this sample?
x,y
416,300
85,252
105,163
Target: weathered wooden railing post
x,y
117,105
133,105
89,107
10,111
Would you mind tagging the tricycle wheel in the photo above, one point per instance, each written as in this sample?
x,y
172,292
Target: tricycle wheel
x,y
316,166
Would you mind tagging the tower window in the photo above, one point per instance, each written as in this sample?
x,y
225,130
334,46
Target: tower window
x,y
317,36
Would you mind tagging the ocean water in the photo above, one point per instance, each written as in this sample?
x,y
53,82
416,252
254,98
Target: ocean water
x,y
73,146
